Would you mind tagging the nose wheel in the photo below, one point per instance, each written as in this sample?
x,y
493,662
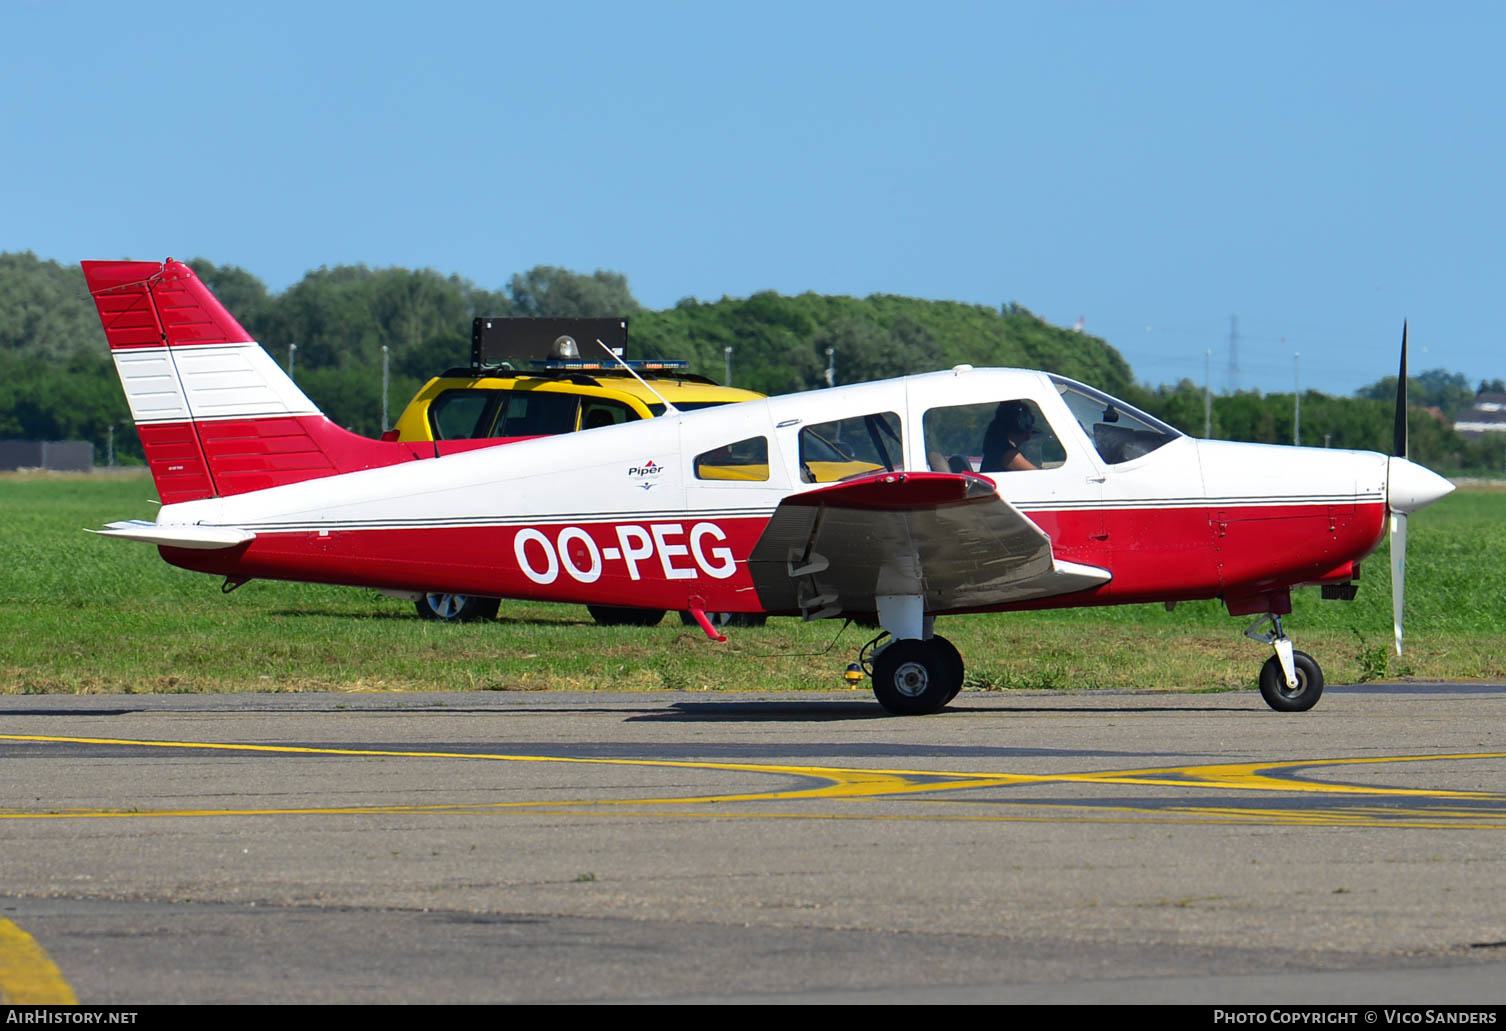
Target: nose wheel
x,y
1290,681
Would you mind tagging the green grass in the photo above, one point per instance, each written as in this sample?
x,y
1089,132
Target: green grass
x,y
87,614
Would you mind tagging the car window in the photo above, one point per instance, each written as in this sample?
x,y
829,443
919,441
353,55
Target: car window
x,y
462,414
597,412
536,413
656,408
995,436
742,460
854,446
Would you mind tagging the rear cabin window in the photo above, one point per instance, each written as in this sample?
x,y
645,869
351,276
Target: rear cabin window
x,y
746,460
856,446
997,436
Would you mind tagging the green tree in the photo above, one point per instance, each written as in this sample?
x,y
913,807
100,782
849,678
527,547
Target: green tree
x,y
559,293
239,292
45,309
1437,388
343,316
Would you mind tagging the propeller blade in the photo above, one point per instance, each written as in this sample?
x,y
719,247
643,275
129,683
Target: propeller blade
x,y
1398,571
1399,439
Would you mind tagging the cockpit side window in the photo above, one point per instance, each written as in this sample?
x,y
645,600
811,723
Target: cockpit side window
x,y
996,436
1119,432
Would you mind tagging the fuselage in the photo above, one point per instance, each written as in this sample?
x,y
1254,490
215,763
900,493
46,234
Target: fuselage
x,y
664,513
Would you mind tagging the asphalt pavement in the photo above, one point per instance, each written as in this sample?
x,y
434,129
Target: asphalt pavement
x,y
515,847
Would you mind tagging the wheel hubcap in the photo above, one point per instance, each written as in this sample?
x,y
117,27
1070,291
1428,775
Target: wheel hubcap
x,y
911,679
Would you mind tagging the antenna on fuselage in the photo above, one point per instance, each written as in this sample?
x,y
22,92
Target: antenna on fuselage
x,y
618,358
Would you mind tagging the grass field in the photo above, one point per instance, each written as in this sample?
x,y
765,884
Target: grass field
x,y
87,614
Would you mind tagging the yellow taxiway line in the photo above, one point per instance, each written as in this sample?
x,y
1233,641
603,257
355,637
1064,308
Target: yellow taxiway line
x,y
851,783
28,976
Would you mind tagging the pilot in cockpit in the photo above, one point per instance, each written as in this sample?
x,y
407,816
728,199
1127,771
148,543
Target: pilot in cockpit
x,y
1011,429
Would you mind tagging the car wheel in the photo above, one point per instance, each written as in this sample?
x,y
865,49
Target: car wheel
x,y
728,618
457,608
612,615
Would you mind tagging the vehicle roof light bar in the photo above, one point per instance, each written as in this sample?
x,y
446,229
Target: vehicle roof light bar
x,y
668,404
647,364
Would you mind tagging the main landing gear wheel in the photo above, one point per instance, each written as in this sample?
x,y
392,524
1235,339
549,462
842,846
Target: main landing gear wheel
x,y
954,656
1291,699
914,678
728,619
457,608
612,615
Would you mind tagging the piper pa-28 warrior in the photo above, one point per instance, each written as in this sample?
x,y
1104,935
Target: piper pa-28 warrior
x,y
900,501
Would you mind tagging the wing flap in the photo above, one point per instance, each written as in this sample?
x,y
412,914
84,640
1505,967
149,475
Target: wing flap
x,y
947,537
183,535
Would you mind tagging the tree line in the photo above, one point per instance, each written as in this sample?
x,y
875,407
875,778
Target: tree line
x,y
57,382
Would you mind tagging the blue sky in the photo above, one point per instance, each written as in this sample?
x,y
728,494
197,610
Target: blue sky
x,y
1320,170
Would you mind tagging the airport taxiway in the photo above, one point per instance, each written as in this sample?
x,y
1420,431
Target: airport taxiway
x,y
574,847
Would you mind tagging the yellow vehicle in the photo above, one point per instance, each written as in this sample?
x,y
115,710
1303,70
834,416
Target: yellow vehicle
x,y
538,377
464,409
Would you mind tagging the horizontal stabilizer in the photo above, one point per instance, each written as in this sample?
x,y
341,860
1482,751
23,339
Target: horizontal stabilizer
x,y
183,535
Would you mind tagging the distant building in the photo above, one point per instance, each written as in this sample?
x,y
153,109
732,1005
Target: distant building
x,y
59,455
1487,415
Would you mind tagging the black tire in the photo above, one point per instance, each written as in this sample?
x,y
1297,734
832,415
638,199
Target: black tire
x,y
1285,699
612,615
728,619
914,678
954,657
456,608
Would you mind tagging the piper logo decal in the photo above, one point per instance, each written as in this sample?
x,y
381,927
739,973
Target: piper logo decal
x,y
646,475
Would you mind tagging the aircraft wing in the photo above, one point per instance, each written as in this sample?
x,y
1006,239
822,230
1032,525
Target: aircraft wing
x,y
947,537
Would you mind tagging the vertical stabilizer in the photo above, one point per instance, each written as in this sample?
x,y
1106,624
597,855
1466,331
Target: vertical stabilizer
x,y
216,414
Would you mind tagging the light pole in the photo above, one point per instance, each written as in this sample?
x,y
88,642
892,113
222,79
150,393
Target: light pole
x,y
292,354
384,388
831,366
727,361
1296,399
1208,395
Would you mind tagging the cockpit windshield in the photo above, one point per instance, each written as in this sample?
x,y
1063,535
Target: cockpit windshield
x,y
1119,432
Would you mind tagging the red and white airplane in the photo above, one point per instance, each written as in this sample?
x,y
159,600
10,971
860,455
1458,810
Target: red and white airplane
x,y
968,490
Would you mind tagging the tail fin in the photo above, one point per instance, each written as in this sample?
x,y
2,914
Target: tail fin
x,y
216,414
